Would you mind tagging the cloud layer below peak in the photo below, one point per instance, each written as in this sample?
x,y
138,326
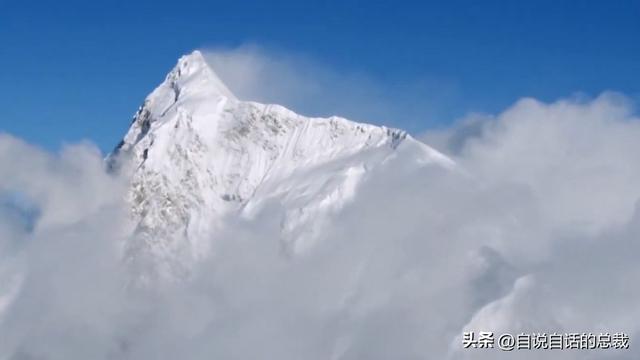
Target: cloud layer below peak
x,y
538,235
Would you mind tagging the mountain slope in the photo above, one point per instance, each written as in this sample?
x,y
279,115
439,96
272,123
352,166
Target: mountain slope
x,y
196,154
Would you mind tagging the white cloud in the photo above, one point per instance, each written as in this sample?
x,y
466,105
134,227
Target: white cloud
x,y
541,237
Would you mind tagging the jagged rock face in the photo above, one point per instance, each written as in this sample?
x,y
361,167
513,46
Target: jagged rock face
x,y
197,154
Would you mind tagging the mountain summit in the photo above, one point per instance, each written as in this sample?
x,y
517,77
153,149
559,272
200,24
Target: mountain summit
x,y
197,155
193,71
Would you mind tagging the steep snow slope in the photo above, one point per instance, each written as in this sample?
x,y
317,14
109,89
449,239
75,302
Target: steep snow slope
x,y
197,155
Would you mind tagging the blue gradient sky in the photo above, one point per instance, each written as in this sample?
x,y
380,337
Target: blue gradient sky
x,y
75,70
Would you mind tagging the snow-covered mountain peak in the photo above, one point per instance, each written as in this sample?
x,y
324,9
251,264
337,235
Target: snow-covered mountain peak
x,y
193,74
198,155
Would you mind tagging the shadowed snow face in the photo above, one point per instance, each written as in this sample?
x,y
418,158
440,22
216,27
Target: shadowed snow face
x,y
537,232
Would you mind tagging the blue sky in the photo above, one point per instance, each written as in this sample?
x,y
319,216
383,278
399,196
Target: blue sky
x,y
76,70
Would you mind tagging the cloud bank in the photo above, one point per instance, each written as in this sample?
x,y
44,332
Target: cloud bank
x,y
538,234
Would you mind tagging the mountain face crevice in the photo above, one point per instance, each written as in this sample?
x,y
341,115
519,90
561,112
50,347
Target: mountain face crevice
x,y
198,155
